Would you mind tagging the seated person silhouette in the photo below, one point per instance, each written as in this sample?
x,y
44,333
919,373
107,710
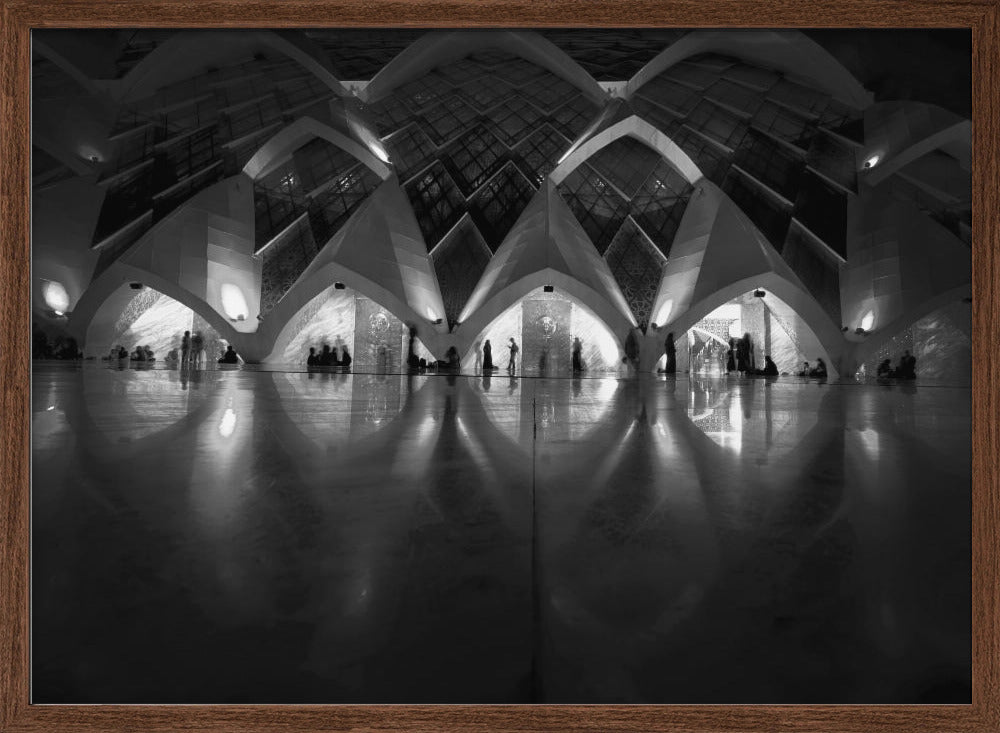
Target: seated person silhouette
x,y
820,370
884,369
770,368
230,357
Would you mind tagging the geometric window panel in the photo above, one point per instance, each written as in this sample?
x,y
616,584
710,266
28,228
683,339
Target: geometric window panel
x,y
595,203
834,158
284,261
718,123
661,118
735,96
474,157
822,208
487,92
448,117
335,203
548,91
637,266
771,163
538,153
767,212
666,93
318,161
710,158
784,124
626,163
659,205
436,202
815,267
410,151
459,262
390,114
753,76
692,75
515,120
499,203
574,116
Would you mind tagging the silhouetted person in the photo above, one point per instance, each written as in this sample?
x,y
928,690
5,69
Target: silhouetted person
x,y
327,357
770,368
230,357
487,356
451,359
671,351
884,369
122,354
312,359
577,355
197,344
186,348
743,348
632,348
805,370
512,361
345,358
412,362
820,370
543,360
731,360
907,366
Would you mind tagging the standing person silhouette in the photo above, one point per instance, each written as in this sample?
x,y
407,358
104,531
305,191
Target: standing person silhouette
x,y
671,352
512,363
577,355
197,344
487,356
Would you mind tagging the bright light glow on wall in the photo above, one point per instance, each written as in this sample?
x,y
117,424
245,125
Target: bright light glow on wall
x,y
868,321
379,151
872,161
736,329
664,313
55,296
233,303
431,314
228,423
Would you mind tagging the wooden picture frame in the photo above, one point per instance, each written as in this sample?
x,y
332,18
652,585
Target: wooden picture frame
x,y
20,16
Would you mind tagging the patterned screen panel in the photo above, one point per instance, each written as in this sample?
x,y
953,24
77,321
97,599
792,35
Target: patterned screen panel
x,y
283,261
498,204
637,266
459,262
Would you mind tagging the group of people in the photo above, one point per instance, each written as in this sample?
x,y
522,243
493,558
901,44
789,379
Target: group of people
x,y
813,371
906,369
336,356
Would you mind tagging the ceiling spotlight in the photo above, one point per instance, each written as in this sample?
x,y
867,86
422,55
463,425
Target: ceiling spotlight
x,y
872,161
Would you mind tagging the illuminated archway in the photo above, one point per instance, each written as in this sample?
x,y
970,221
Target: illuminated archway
x,y
544,325
340,317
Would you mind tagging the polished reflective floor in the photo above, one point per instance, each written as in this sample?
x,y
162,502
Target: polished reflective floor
x,y
256,536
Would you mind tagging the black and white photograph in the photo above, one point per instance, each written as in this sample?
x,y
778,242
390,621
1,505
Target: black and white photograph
x,y
513,365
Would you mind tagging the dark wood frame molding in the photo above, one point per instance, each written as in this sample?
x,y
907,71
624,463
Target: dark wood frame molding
x,y
18,17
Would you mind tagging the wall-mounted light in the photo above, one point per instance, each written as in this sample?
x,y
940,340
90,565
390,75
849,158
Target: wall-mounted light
x,y
339,286
759,293
55,296
233,303
135,286
438,321
867,321
872,161
664,315
549,288
379,151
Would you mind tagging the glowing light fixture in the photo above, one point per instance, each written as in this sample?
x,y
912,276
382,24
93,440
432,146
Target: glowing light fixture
x,y
664,315
868,320
228,423
872,161
55,296
431,315
379,151
233,302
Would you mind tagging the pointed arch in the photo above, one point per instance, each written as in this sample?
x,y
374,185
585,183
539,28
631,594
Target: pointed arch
x,y
637,128
437,48
290,138
821,336
789,52
106,294
188,52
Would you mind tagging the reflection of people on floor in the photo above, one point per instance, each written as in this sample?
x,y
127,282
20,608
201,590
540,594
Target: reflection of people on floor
x,y
671,352
632,349
230,357
512,384
486,381
884,369
512,362
487,356
577,355
543,362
